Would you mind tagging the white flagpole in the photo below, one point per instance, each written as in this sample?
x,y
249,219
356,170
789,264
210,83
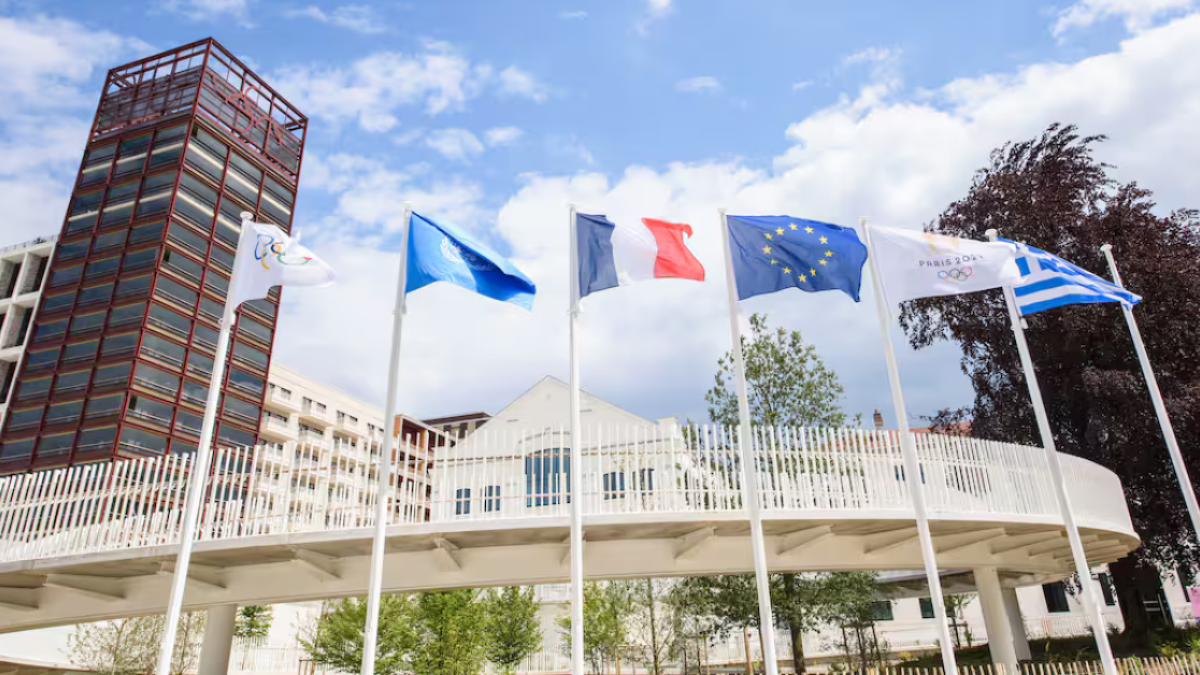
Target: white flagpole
x,y
1090,605
1160,409
576,471
383,480
198,479
912,466
750,494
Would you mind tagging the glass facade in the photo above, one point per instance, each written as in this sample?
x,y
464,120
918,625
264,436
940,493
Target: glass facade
x,y
121,355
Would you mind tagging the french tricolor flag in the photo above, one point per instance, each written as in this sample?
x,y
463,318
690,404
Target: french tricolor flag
x,y
618,255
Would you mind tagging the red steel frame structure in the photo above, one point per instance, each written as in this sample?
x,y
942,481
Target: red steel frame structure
x,y
119,361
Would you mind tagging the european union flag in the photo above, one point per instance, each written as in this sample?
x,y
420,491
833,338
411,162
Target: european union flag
x,y
771,253
439,251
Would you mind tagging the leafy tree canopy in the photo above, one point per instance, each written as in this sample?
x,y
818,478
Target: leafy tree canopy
x,y
787,382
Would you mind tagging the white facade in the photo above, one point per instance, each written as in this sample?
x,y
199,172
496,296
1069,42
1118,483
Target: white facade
x,y
22,278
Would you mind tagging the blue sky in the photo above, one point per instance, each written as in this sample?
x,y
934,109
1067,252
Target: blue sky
x,y
497,114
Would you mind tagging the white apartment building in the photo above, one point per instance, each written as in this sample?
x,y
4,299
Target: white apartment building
x,y
22,277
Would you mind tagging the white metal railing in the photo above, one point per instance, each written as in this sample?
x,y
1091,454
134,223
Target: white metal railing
x,y
524,474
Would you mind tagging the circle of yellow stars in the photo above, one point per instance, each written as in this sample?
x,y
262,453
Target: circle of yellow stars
x,y
812,271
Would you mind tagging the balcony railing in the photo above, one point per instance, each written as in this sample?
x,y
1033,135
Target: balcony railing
x,y
520,474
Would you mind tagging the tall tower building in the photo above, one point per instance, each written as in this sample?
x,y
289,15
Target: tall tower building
x,y
120,357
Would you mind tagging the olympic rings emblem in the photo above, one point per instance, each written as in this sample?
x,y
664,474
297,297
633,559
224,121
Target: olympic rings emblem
x,y
268,247
957,274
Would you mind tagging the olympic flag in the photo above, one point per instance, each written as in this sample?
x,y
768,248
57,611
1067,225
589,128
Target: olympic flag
x,y
267,257
916,264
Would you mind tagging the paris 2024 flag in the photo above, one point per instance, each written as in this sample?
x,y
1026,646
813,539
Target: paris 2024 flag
x,y
915,264
267,257
618,255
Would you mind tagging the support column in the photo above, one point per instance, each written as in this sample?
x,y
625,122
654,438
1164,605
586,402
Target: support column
x,y
995,618
1013,608
218,640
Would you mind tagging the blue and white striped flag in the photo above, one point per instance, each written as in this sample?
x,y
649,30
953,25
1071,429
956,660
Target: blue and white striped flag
x,y
1048,281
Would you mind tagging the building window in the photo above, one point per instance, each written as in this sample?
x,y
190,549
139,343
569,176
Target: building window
x,y
614,485
24,419
142,442
16,449
150,410
56,444
63,413
547,477
105,405
927,609
1056,597
491,499
881,610
1106,590
462,502
91,439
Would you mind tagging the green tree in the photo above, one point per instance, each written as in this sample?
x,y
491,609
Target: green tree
x,y
805,602
253,621
607,610
130,646
1053,193
449,639
855,601
512,625
337,638
787,382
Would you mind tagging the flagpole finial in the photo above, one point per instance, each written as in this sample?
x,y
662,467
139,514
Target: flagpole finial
x,y
721,210
1106,248
246,215
992,234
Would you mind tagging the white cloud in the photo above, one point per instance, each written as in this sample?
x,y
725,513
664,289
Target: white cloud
x,y
1137,15
572,16
516,82
654,10
371,91
455,144
203,10
802,84
652,348
502,135
704,84
47,97
408,137
358,18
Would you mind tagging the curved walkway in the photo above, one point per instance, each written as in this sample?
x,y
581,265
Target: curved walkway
x,y
285,524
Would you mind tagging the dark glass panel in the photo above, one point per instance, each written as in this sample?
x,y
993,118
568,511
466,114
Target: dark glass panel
x,y
74,249
146,232
24,419
99,406
119,344
166,319
54,303
49,330
136,285
142,442
72,381
93,439
101,267
149,410
80,351
56,444
66,275
154,378
41,359
164,350
188,238
128,314
86,322
136,260
64,413
108,376
176,292
110,240
93,294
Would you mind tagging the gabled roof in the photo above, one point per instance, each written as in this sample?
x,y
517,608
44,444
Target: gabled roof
x,y
554,388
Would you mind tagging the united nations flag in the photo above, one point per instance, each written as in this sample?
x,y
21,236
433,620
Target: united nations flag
x,y
439,251
771,253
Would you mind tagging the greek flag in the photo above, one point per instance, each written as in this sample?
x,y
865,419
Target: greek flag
x,y
1048,281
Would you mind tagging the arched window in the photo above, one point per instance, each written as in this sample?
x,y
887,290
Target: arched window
x,y
547,477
